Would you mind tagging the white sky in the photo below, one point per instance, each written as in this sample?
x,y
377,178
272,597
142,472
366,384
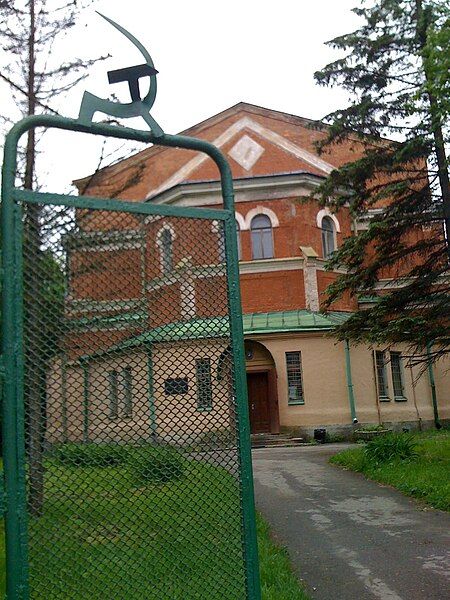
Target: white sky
x,y
210,55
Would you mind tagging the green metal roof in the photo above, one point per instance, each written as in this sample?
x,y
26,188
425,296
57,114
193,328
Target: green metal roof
x,y
369,299
292,320
217,327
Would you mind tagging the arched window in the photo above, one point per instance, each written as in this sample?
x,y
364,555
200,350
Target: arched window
x,y
262,237
238,236
166,251
328,237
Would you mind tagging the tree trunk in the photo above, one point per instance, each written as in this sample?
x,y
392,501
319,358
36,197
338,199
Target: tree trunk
x,y
34,365
423,20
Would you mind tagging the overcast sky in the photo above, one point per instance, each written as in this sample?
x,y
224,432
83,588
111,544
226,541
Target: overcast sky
x,y
210,55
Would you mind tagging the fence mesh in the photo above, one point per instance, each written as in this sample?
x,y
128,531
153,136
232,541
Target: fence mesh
x,y
133,476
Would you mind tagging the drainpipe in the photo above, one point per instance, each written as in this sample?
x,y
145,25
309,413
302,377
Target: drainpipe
x,y
151,397
64,397
433,389
85,367
351,395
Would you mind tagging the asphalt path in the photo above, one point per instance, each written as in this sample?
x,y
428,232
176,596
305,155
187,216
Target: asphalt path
x,y
350,538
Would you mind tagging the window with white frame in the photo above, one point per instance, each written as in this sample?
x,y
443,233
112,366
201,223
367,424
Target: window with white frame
x,y
120,393
262,237
204,386
294,378
382,384
397,376
166,244
328,237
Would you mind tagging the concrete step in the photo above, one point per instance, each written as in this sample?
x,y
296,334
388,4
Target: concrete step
x,y
270,440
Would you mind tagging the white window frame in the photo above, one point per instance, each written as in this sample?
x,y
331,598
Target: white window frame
x,y
160,244
402,397
301,401
262,230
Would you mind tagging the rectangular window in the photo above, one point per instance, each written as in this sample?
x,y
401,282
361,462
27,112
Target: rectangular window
x,y
128,395
380,363
178,385
294,378
204,389
120,393
397,375
113,395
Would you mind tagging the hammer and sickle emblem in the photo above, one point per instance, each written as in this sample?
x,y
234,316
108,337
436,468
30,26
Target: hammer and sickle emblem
x,y
137,107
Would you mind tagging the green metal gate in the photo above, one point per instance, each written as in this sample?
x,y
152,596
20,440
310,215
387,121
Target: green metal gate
x,y
127,464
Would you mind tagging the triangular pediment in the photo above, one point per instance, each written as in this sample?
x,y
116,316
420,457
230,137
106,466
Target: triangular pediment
x,y
245,142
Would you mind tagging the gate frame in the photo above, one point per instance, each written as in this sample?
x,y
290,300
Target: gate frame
x,y
12,369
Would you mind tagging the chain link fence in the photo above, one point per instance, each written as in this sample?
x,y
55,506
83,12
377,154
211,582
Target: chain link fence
x,y
131,427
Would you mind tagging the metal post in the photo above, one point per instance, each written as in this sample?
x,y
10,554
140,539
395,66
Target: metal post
x,y
12,426
151,397
433,388
85,367
348,371
243,423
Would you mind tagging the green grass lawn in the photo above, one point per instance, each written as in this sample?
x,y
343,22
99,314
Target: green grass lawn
x,y
103,535
426,477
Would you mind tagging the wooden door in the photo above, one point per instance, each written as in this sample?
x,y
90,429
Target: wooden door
x,y
258,402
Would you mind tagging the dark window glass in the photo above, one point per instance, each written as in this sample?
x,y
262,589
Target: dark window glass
x,y
381,374
166,249
397,374
128,393
178,385
113,395
204,390
294,377
262,237
120,393
328,238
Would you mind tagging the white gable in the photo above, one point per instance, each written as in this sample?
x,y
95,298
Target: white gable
x,y
245,123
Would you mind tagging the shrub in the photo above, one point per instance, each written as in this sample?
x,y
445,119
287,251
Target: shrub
x,y
370,427
393,446
157,465
334,438
91,455
216,439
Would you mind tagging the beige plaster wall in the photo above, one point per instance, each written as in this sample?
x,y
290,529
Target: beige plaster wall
x,y
176,417
326,391
324,383
442,382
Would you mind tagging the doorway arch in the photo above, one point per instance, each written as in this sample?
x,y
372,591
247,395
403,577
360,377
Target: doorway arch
x,y
262,388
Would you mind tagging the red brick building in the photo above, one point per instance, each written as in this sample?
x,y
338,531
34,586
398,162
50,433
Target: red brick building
x,y
132,276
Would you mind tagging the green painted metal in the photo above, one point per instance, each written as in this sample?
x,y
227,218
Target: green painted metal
x,y
138,208
433,388
13,449
20,408
300,321
64,396
137,108
237,348
348,373
86,391
13,421
151,394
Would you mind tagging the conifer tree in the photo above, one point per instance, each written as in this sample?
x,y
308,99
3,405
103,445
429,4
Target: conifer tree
x,y
29,31
396,68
